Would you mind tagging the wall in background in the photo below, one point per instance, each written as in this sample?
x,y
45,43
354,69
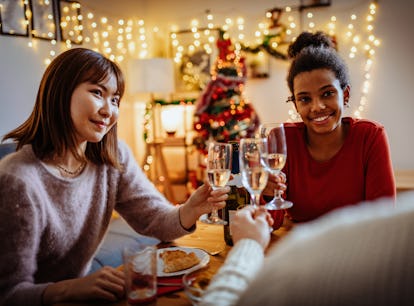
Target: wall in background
x,y
389,100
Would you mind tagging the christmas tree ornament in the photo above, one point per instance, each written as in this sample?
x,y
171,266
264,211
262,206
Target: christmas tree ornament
x,y
222,112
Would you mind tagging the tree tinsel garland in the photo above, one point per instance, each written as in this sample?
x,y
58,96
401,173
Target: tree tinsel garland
x,y
266,46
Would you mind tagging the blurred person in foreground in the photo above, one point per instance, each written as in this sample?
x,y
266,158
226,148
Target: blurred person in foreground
x,y
356,256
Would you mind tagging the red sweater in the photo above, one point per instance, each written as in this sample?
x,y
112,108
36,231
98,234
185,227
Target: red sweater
x,y
360,171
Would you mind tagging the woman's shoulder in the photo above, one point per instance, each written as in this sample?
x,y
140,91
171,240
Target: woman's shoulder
x,y
23,159
20,168
124,151
127,158
364,134
364,129
363,124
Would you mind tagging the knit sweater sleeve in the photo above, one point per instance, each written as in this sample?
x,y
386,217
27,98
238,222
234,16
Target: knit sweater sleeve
x,y
20,231
145,209
241,266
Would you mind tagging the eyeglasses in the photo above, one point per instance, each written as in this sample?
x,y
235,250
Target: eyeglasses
x,y
290,99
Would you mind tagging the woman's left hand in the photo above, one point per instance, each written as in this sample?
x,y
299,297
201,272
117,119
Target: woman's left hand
x,y
202,201
275,182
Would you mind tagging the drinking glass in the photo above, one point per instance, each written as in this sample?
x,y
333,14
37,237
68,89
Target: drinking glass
x,y
218,173
275,159
140,265
254,174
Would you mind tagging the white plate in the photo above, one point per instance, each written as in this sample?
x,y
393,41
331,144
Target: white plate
x,y
202,255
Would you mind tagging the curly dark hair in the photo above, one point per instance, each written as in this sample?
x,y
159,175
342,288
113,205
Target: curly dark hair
x,y
312,51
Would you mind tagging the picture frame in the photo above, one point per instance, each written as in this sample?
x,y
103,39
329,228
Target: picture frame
x,y
258,65
305,4
192,72
70,22
43,19
13,19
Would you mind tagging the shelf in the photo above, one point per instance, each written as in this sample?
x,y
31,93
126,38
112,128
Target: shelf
x,y
175,142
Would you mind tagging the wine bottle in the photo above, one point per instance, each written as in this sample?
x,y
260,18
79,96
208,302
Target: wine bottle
x,y
238,196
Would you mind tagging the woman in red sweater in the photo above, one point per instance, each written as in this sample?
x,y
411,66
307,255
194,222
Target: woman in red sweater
x,y
333,161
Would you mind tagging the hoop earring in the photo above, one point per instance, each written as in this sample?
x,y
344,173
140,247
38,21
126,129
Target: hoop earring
x,y
346,103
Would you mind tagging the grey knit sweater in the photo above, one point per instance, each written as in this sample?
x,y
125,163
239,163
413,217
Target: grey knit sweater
x,y
50,227
355,256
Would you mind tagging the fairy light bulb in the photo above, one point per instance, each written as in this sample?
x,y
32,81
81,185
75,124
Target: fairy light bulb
x,y
120,38
356,39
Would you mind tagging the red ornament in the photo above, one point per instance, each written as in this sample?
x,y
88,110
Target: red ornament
x,y
223,46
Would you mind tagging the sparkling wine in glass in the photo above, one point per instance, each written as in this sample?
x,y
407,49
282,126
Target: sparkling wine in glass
x,y
254,174
275,159
218,172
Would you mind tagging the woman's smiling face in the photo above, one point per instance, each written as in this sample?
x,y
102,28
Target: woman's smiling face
x,y
319,100
95,109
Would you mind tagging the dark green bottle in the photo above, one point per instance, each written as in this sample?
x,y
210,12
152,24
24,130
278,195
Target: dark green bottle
x,y
238,196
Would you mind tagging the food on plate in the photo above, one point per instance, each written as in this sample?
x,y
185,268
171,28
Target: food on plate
x,y
177,260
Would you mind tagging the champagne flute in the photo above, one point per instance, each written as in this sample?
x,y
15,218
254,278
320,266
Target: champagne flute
x,y
218,173
254,175
275,159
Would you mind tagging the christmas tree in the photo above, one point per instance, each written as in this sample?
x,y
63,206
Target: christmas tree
x,y
222,112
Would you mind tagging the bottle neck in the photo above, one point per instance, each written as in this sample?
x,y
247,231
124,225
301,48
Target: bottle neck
x,y
235,167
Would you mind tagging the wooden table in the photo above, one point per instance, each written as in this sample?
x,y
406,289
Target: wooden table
x,y
208,237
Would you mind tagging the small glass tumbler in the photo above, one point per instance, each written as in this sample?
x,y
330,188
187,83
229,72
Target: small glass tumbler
x,y
140,265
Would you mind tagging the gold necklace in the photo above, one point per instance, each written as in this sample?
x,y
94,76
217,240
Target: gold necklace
x,y
71,173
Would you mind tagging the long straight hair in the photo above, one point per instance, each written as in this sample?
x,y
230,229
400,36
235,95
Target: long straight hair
x,y
49,128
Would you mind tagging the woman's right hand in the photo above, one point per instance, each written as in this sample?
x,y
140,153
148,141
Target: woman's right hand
x,y
107,284
275,182
252,222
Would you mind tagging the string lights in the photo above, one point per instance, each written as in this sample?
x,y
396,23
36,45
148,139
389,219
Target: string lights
x,y
120,38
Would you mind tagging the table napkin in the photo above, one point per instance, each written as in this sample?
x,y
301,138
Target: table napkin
x,y
164,289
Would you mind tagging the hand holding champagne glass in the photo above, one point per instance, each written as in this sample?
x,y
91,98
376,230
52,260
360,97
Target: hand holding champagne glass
x,y
218,172
275,159
254,175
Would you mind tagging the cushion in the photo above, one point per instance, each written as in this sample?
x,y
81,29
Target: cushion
x,y
118,236
7,148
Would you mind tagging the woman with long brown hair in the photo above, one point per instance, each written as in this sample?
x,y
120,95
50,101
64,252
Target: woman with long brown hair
x,y
70,172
